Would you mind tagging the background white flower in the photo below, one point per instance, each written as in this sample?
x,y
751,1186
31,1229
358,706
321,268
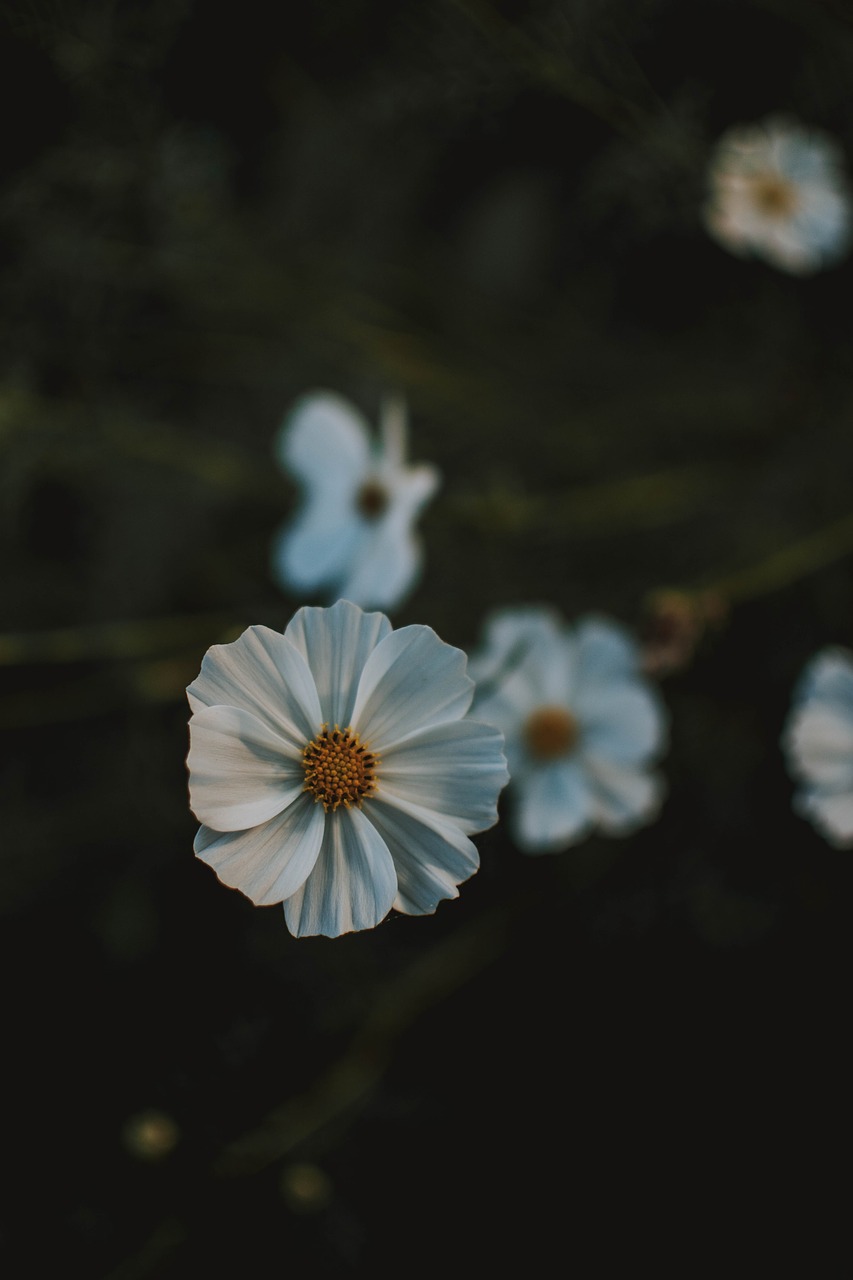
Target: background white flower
x,y
582,725
818,743
780,191
353,533
334,769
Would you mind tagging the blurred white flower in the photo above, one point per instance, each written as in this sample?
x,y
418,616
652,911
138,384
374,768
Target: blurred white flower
x,y
818,743
582,726
334,769
353,534
780,191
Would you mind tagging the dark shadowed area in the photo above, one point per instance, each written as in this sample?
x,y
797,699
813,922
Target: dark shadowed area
x,y
625,1057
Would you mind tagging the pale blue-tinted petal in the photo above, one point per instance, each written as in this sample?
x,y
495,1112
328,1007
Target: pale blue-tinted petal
x,y
324,442
262,673
518,644
431,856
605,651
624,798
552,807
269,862
353,883
622,722
393,427
818,740
390,556
385,569
319,546
336,643
455,769
241,773
411,680
828,677
830,812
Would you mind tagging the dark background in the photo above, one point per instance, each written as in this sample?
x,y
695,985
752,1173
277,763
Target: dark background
x,y
626,1057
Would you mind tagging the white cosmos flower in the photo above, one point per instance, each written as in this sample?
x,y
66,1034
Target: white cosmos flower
x,y
334,769
818,743
353,533
581,723
780,191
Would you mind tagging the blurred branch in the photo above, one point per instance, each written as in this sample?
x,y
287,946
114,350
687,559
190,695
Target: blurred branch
x,y
110,640
348,1082
550,67
795,561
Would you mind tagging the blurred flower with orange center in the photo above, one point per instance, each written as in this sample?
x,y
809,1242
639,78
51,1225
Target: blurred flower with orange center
x,y
582,725
780,191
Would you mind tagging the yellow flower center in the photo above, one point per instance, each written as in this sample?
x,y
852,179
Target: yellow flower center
x,y
774,196
551,732
371,500
339,770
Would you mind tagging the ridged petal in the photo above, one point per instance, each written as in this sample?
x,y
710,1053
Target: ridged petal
x,y
241,772
411,680
431,856
336,643
262,673
455,770
268,862
353,883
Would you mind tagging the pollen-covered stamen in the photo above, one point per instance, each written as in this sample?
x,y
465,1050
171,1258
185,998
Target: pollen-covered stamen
x,y
551,732
371,500
339,770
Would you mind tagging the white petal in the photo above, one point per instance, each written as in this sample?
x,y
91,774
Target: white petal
x,y
325,538
336,643
385,567
509,636
625,798
353,883
819,744
828,676
269,862
455,769
324,441
605,651
411,680
241,773
431,856
832,815
622,722
552,807
262,673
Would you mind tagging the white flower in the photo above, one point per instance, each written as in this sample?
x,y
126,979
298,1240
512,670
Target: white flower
x,y
352,535
581,724
334,769
780,191
818,743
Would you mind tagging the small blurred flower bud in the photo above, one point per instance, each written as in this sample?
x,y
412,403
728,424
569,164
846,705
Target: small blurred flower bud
x,y
150,1135
305,1188
673,626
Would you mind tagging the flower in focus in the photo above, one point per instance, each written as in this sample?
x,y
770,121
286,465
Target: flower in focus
x,y
334,769
818,743
352,535
581,723
780,191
